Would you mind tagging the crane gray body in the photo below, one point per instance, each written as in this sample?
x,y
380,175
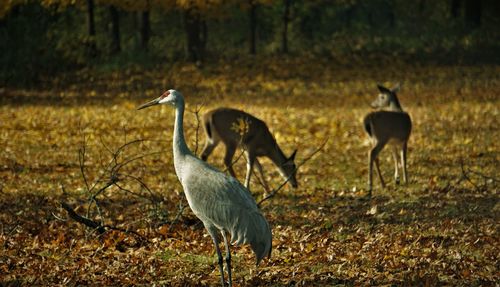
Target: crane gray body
x,y
218,200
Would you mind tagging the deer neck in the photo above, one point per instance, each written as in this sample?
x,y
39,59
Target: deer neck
x,y
395,106
276,155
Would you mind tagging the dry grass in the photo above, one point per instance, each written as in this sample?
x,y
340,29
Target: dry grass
x,y
440,229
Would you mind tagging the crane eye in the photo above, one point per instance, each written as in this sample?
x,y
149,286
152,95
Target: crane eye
x,y
164,95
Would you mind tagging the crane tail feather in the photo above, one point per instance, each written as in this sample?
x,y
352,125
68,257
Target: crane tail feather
x,y
253,229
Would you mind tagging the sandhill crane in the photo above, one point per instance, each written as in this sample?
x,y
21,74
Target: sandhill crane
x,y
389,125
218,200
237,128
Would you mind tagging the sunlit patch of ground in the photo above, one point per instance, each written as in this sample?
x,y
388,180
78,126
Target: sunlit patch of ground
x,y
440,229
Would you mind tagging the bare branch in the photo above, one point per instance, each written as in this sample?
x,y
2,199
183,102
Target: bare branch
x,y
129,160
465,175
236,160
81,160
127,231
177,216
97,226
83,220
466,172
109,176
273,193
105,145
143,185
487,177
196,113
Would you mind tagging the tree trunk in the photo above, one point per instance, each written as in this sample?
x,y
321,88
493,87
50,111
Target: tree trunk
x,y
115,29
195,35
145,28
455,8
392,17
421,7
473,13
91,44
252,14
204,35
286,20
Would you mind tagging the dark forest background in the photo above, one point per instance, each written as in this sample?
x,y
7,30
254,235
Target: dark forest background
x,y
43,38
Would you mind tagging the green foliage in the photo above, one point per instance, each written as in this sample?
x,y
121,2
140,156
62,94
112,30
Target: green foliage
x,y
27,53
42,38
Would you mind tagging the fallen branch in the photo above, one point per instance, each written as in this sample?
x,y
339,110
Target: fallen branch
x,y
273,193
97,226
83,220
466,172
177,216
484,176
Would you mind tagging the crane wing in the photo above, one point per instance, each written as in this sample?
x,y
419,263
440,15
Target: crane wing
x,y
220,200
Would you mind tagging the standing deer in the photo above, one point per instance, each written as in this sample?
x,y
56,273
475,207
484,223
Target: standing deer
x,y
237,128
388,125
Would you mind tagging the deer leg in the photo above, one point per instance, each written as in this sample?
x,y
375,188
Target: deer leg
x,y
261,172
212,230
209,147
403,163
382,182
250,162
228,258
228,159
396,165
373,158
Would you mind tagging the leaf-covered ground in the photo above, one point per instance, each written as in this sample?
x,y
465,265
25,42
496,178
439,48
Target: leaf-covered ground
x,y
440,229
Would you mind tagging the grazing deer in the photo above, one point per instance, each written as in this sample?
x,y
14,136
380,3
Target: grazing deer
x,y
237,128
389,125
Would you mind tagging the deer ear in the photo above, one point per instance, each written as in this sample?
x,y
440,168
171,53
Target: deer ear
x,y
292,157
383,89
396,88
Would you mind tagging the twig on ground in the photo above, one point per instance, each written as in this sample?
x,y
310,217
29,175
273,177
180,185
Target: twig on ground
x,y
81,160
273,193
108,177
97,226
83,220
177,216
467,171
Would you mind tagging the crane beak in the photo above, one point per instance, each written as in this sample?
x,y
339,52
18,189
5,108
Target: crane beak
x,y
149,104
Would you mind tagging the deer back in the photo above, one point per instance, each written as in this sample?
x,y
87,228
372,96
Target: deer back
x,y
388,125
235,127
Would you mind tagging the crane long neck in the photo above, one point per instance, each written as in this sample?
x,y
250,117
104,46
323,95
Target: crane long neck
x,y
179,143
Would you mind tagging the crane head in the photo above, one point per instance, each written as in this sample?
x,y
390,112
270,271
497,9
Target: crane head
x,y
171,97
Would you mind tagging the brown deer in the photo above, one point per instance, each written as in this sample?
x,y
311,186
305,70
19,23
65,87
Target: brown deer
x,y
237,128
388,125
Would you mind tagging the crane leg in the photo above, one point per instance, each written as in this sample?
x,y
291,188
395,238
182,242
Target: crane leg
x,y
228,258
212,230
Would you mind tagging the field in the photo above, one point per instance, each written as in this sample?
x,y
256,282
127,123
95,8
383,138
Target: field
x,y
79,140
